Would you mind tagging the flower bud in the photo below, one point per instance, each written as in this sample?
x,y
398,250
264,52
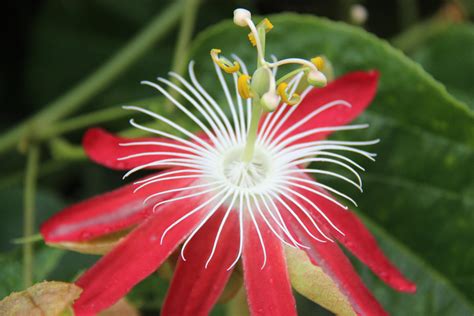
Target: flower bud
x,y
241,16
270,101
317,78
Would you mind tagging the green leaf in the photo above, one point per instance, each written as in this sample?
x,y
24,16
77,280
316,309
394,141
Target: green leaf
x,y
12,206
434,296
447,55
46,260
421,187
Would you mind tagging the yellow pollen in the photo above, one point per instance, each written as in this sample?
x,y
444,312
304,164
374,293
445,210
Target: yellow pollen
x,y
243,86
295,98
224,64
318,61
267,26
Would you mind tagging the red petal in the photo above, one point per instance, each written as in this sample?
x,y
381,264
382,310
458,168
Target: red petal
x,y
357,88
195,289
104,148
106,213
335,264
115,274
357,239
268,289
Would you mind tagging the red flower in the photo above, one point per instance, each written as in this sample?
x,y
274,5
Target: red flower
x,y
224,210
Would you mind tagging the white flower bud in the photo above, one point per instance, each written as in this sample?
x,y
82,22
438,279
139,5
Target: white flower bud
x,y
317,78
241,16
270,101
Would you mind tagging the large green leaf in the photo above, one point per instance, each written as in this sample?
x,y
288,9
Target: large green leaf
x,y
421,187
448,56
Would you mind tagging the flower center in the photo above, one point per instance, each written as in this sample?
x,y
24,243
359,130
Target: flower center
x,y
246,175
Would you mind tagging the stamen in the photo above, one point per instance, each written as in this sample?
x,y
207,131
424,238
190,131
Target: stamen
x,y
293,100
318,61
224,64
267,26
243,86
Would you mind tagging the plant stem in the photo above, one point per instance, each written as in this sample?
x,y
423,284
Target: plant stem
x,y
181,50
188,19
257,108
29,212
252,133
47,168
101,78
82,121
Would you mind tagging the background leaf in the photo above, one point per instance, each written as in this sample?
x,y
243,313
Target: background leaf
x,y
447,55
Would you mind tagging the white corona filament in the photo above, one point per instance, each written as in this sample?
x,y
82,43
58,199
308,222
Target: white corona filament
x,y
208,175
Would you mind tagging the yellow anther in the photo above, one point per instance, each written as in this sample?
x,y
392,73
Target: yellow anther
x,y
318,61
294,99
267,25
243,86
252,39
224,64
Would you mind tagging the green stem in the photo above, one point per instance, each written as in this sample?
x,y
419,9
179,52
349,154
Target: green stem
x,y
181,50
291,74
47,168
257,109
252,134
82,121
29,239
29,212
84,91
261,34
